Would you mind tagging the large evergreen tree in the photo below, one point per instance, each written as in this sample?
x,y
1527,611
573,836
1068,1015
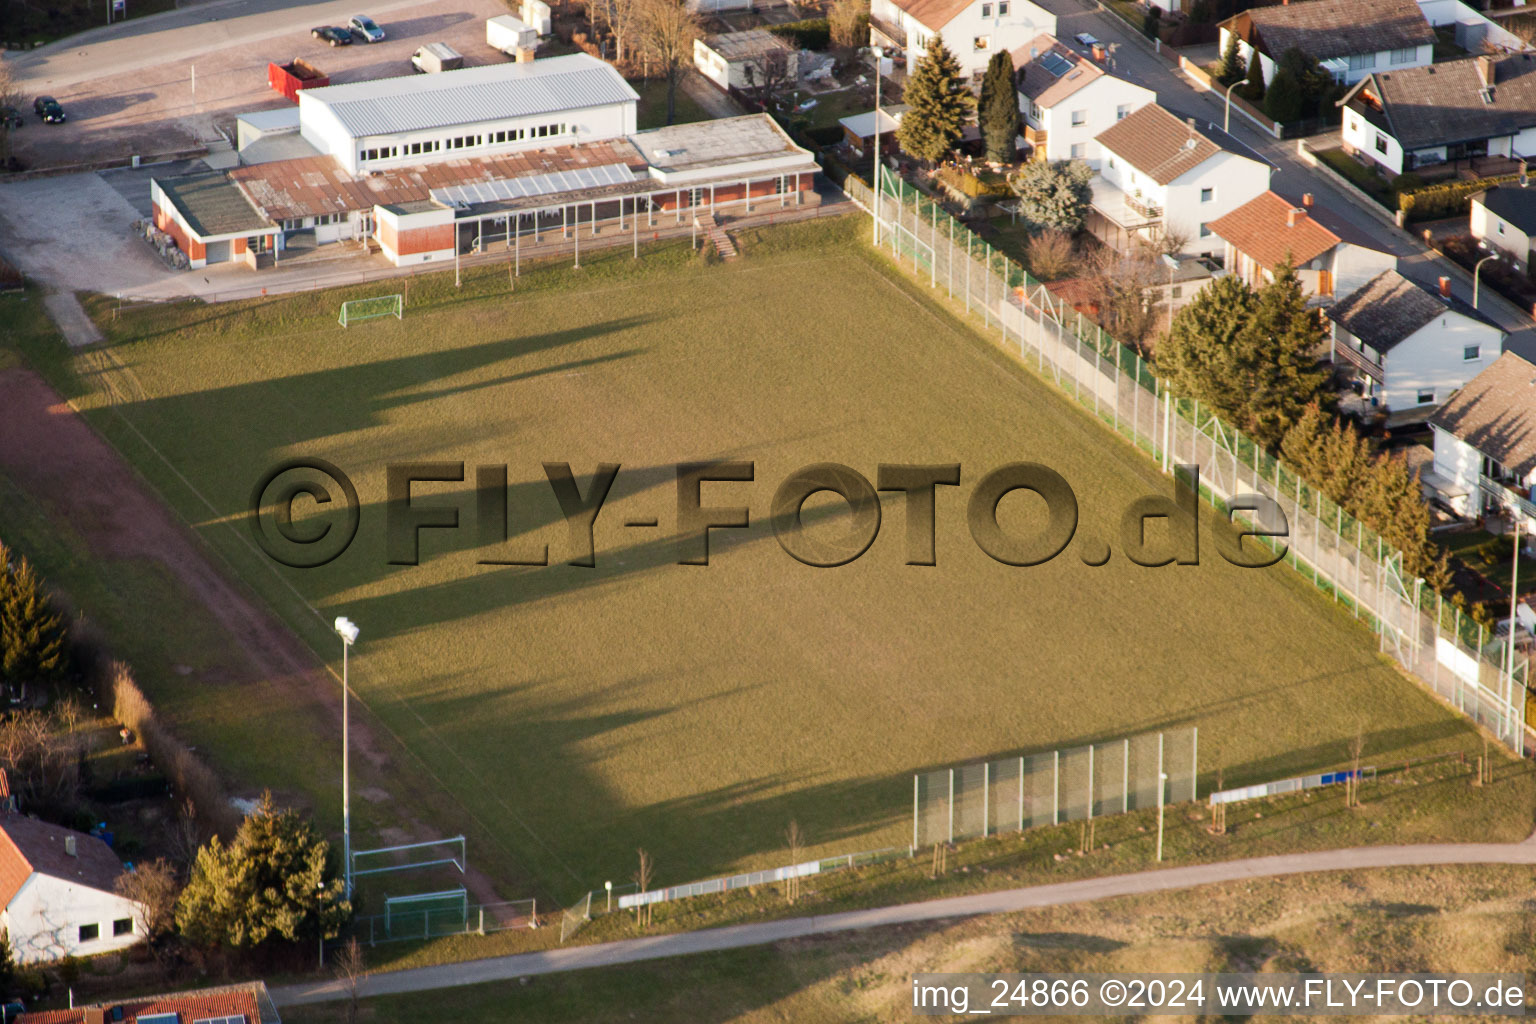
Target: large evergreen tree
x,y
1232,67
999,110
1284,100
32,634
1279,349
271,882
938,103
1254,90
1053,196
1199,356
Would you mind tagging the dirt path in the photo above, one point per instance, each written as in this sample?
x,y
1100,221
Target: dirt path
x,y
55,457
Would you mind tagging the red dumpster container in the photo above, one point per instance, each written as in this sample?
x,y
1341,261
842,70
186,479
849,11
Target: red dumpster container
x,y
298,74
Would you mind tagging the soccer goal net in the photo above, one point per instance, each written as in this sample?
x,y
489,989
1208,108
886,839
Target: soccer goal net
x,y
426,914
368,309
447,853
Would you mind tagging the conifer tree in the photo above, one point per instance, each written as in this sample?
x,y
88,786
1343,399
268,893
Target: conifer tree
x,y
1278,355
938,103
1198,357
999,110
1232,67
32,633
1254,90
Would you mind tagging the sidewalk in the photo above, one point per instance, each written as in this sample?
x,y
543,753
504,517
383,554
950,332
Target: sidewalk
x,y
711,940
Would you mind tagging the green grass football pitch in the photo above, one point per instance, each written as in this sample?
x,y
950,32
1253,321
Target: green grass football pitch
x,y
580,713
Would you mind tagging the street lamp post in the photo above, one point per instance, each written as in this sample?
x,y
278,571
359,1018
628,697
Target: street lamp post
x,y
1477,272
609,887
1162,787
1226,121
347,630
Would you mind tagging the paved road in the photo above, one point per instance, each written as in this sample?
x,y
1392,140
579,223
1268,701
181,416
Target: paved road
x,y
1087,890
1135,60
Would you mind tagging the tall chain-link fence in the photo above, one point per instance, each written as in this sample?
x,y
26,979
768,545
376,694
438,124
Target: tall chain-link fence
x,y
1015,793
1340,555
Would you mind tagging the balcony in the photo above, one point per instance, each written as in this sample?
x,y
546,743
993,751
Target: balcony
x,y
1509,498
1344,352
887,34
1146,207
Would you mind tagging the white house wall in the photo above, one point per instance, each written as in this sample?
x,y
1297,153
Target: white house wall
x,y
1023,22
1461,463
1354,266
1234,180
1485,224
1101,102
45,916
1361,135
1431,359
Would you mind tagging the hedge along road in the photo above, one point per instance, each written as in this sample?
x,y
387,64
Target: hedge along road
x,y
576,958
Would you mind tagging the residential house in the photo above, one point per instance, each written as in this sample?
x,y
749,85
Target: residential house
x,y
1065,100
973,30
1331,256
57,891
1410,347
1459,109
1162,176
1485,441
747,60
247,1003
1505,216
1349,38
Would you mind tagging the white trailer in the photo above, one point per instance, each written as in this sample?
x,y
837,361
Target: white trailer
x,y
507,34
536,15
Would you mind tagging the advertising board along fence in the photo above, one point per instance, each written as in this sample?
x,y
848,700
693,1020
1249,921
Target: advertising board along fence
x,y
1340,555
1295,785
765,877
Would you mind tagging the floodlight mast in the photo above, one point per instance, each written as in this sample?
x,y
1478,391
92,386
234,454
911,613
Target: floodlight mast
x,y
348,631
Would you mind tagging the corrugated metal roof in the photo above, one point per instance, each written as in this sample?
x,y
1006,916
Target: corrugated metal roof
x,y
535,185
469,95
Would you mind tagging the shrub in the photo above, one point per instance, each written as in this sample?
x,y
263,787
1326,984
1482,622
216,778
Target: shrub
x,y
1407,182
976,187
1050,255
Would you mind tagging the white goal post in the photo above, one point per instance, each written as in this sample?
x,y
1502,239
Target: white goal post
x,y
368,309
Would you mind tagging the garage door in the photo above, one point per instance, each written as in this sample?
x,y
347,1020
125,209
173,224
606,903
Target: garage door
x,y
218,252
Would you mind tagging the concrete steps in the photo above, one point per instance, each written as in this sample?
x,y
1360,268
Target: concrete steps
x,y
723,244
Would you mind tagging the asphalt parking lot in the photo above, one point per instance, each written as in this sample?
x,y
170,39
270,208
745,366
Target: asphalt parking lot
x,y
188,100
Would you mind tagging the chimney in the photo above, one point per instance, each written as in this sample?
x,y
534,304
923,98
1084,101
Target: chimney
x,y
1294,214
1445,287
1307,200
69,846
95,1015
1485,72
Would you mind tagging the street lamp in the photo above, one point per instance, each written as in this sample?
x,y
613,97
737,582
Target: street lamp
x,y
347,630
609,887
1226,121
1162,786
1477,271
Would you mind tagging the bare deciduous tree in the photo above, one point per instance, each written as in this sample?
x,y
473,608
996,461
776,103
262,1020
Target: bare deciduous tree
x,y
153,889
767,73
184,837
845,19
794,838
350,969
621,18
643,876
1356,749
1123,286
667,30
1050,255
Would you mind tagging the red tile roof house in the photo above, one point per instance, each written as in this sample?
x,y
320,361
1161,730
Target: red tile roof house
x,y
230,1004
56,888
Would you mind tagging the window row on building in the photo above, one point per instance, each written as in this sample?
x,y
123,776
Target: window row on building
x,y
120,927
458,142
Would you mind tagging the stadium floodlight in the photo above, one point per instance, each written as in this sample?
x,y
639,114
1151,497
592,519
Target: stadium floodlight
x,y
348,631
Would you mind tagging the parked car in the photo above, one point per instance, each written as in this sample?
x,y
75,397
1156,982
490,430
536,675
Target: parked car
x,y
367,28
333,35
1086,41
47,108
10,117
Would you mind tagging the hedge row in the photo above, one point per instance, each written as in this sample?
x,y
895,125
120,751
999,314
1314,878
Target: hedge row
x,y
1447,199
810,34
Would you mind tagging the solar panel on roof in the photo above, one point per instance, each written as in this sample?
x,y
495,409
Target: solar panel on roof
x,y
1056,64
534,185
